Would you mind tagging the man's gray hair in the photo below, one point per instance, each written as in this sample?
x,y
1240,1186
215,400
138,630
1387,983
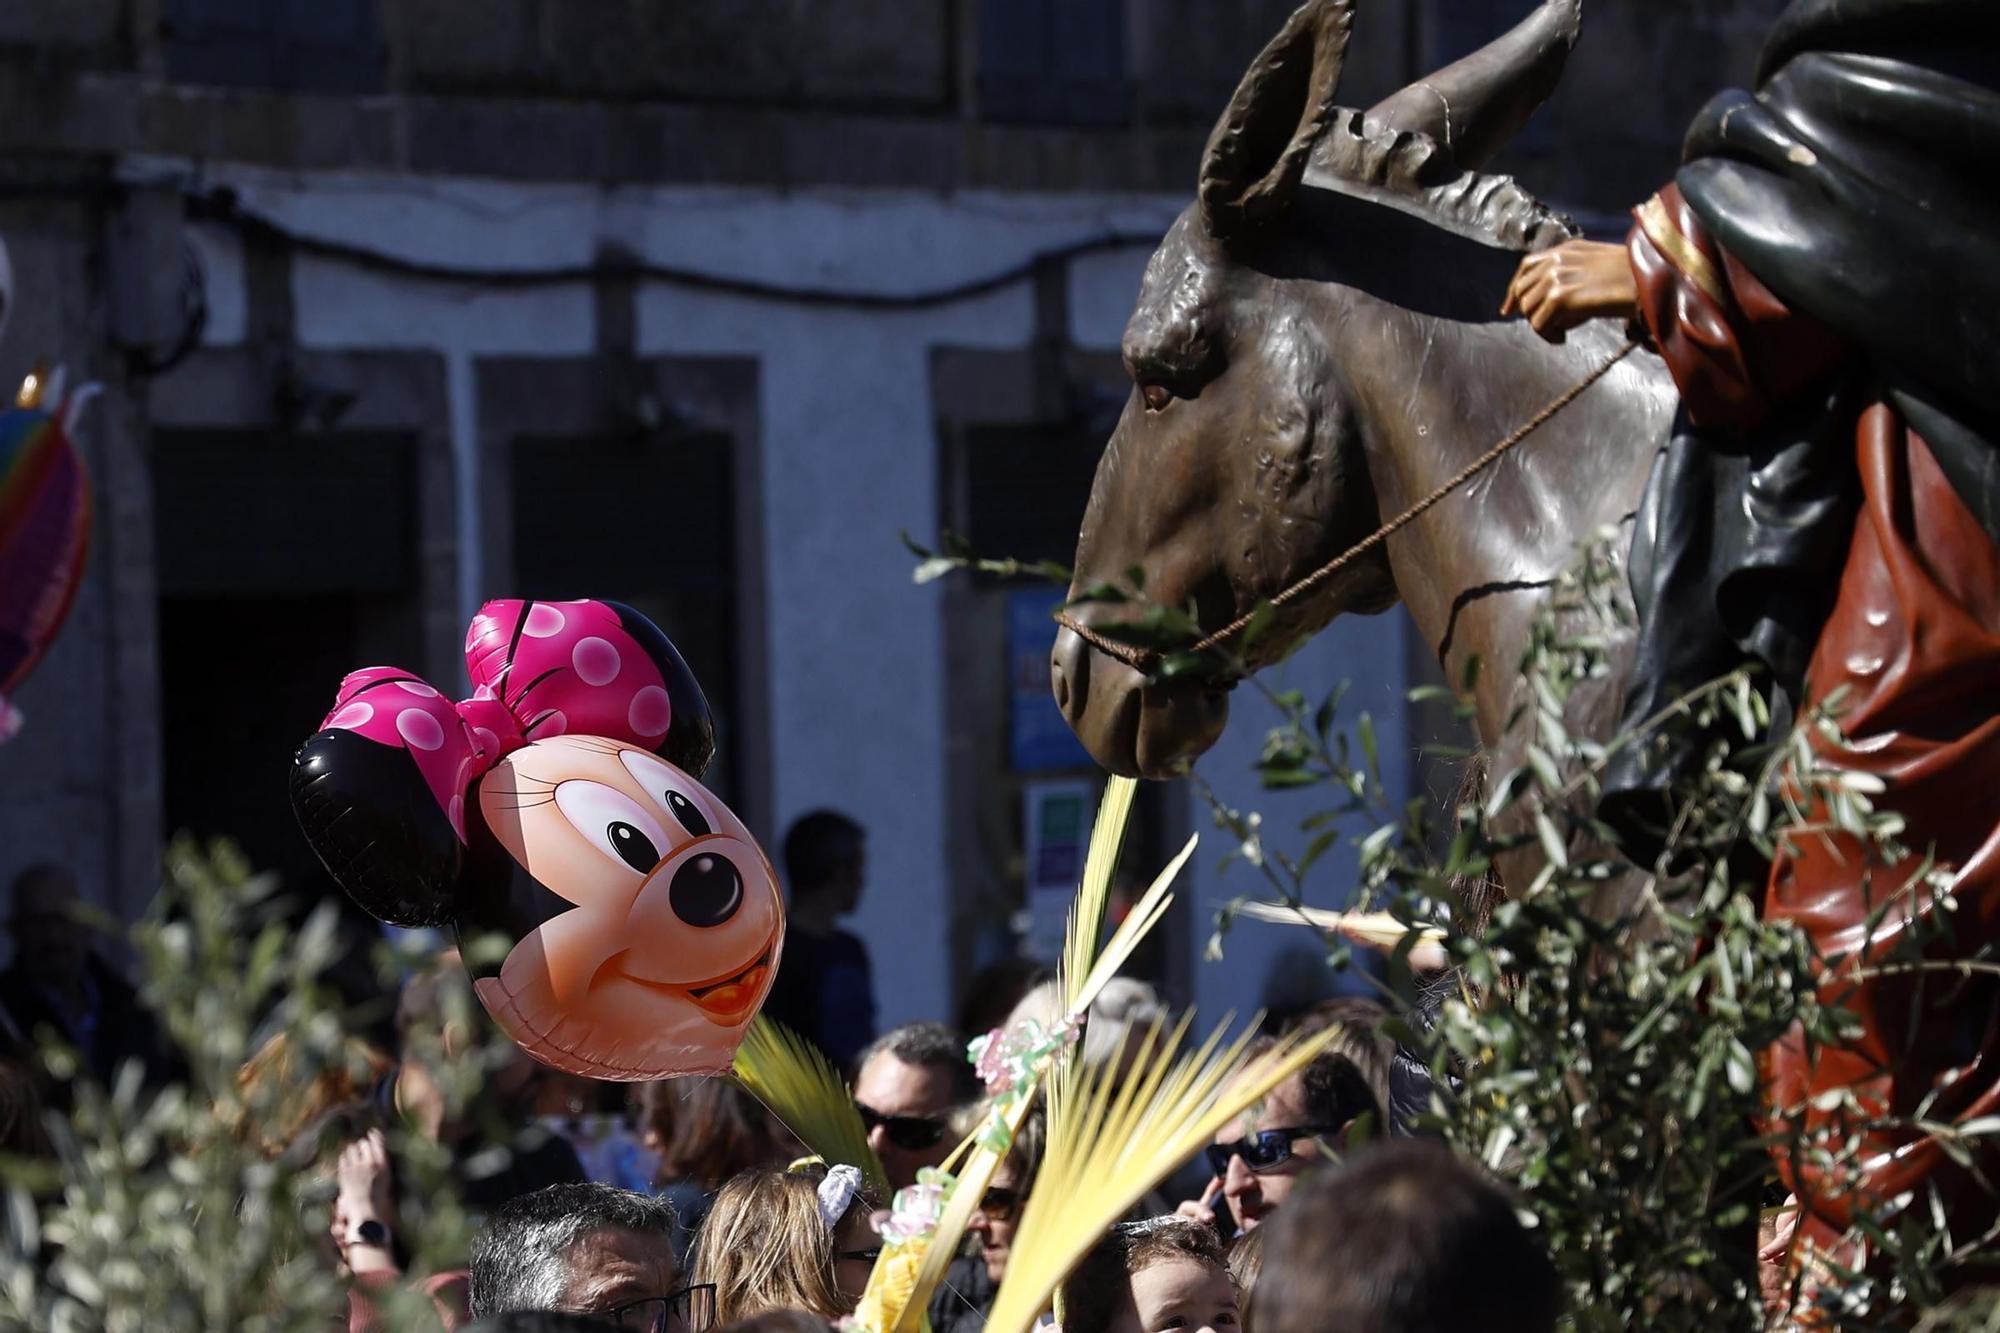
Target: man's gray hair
x,y
927,1046
521,1257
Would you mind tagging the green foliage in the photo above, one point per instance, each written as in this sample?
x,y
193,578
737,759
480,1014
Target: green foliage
x,y
172,1209
957,556
1599,1048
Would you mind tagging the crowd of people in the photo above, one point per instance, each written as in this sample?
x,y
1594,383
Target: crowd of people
x,y
1309,1218
1310,1210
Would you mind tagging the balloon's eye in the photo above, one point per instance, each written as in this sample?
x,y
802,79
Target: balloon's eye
x,y
669,786
614,823
634,848
690,818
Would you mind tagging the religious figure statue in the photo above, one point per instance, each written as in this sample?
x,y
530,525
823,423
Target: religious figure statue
x,y
1822,278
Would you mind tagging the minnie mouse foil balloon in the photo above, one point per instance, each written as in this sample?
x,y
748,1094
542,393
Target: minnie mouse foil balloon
x,y
557,806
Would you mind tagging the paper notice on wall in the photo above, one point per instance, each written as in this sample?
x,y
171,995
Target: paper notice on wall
x,y
1058,817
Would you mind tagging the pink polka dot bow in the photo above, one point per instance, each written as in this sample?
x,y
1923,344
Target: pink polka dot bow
x,y
539,670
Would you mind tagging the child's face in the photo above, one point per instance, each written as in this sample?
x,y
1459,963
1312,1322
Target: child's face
x,y
853,1239
1178,1294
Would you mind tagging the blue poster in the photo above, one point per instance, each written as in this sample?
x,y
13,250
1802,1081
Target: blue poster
x,y
1039,740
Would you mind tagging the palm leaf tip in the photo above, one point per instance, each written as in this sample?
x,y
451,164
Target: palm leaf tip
x,y
800,1086
1086,917
1380,929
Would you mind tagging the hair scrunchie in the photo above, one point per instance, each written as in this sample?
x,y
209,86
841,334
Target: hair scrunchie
x,y
837,1193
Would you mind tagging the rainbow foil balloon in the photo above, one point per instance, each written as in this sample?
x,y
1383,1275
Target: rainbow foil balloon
x,y
44,539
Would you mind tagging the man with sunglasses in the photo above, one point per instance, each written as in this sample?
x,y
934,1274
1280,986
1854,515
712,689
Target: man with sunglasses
x,y
1306,1121
590,1249
909,1081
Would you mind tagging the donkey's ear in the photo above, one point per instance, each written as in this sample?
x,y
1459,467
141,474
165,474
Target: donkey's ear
x,y
689,744
377,829
1258,150
1477,105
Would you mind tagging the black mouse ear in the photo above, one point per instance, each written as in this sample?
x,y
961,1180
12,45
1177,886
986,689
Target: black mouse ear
x,y
377,829
690,741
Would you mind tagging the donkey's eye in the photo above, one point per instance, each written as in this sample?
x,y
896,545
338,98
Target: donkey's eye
x,y
1156,396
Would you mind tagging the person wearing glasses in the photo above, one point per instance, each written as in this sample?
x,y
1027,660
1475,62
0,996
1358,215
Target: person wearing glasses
x,y
788,1240
965,1296
1307,1120
910,1080
591,1249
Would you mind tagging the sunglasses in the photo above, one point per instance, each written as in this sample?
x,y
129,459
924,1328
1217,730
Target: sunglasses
x,y
1000,1203
862,1256
691,1309
1266,1150
912,1133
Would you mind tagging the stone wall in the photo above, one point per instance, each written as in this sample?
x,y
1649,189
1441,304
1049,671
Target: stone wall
x,y
809,92
81,783
876,54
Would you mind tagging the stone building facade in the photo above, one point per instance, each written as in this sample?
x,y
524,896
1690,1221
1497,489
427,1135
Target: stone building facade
x,y
402,304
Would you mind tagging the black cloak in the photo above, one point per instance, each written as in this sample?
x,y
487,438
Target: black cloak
x,y
1861,184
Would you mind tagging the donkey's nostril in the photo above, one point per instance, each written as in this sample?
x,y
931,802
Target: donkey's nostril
x,y
1066,668
706,890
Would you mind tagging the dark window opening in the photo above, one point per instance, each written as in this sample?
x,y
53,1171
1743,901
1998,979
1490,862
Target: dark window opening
x,y
301,46
1026,488
1052,61
283,565
612,519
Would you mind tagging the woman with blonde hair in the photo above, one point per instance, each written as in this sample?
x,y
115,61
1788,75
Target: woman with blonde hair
x,y
705,1132
787,1240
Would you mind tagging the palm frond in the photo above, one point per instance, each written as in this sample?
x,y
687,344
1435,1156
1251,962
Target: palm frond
x,y
1379,929
942,1247
799,1084
1121,1135
1145,914
900,1287
1086,915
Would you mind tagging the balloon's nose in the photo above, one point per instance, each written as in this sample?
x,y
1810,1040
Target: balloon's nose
x,y
716,882
706,890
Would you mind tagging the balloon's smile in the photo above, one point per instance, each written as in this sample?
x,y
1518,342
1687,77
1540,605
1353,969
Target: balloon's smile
x,y
727,999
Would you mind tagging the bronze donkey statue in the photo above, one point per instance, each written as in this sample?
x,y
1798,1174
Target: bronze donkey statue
x,y
1317,346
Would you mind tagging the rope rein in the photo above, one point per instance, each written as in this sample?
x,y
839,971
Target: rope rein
x,y
1138,658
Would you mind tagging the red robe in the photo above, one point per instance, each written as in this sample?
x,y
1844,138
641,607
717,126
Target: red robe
x,y
1913,641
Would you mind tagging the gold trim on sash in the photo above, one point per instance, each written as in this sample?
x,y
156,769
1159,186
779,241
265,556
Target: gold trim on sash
x,y
1679,250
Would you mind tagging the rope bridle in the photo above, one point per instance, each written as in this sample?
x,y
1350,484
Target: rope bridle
x,y
1141,659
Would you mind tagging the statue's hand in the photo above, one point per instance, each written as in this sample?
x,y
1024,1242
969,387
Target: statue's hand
x,y
1577,281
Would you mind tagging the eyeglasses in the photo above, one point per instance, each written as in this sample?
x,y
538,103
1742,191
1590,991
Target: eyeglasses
x,y
1266,1150
861,1256
1000,1203
912,1133
691,1309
